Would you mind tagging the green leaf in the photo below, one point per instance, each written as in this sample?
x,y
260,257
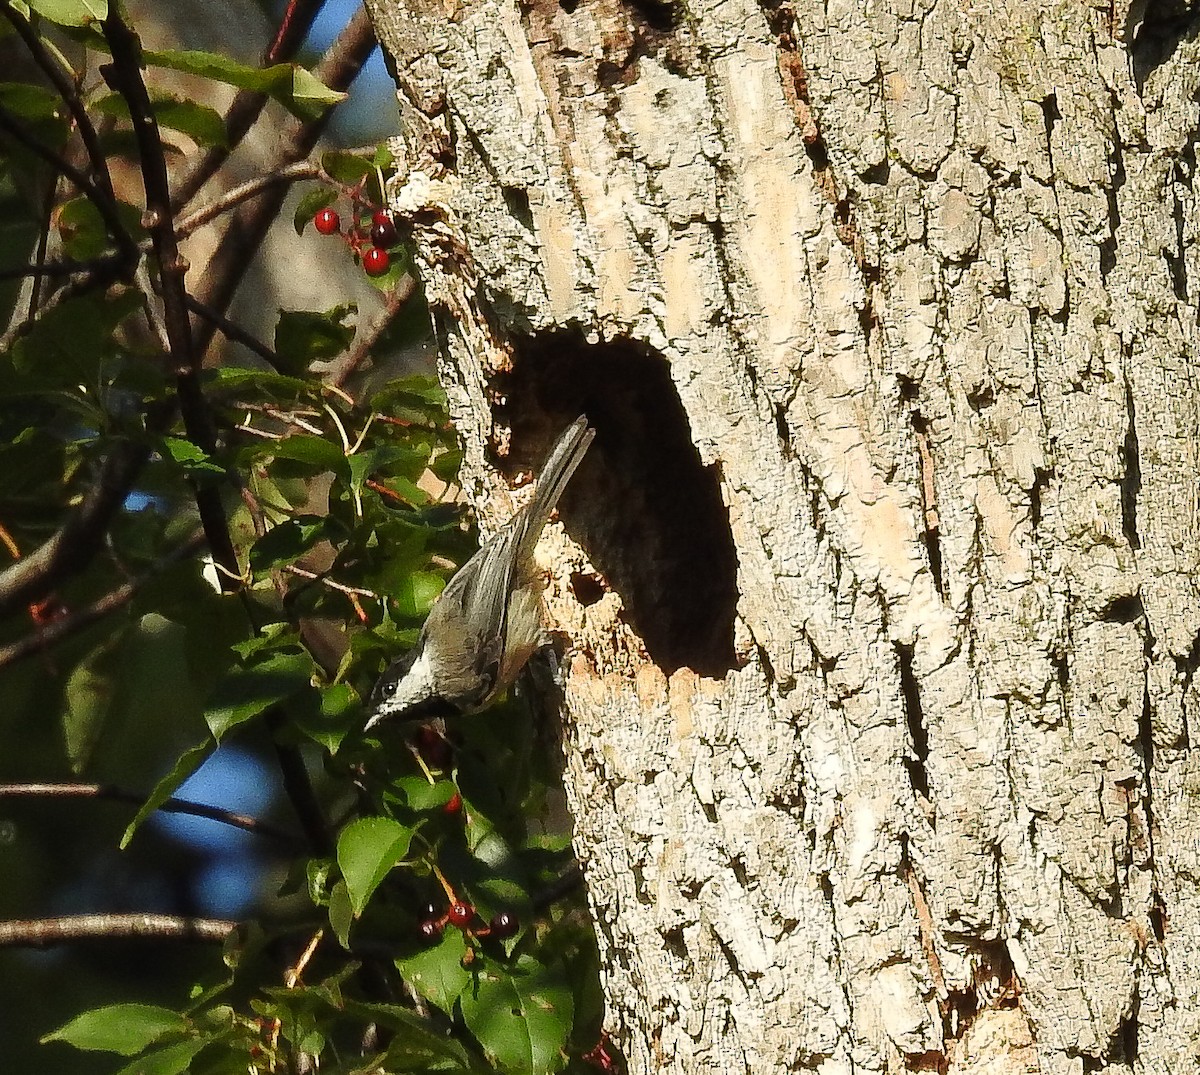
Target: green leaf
x,y
30,102
367,849
192,458
304,336
119,1028
420,794
345,167
169,1060
187,763
341,913
287,541
310,202
71,12
305,448
245,692
437,972
64,346
89,695
416,596
445,466
299,91
198,121
240,379
521,1017
338,711
125,691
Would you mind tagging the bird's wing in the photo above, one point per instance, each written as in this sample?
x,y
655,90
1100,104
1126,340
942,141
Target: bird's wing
x,y
474,606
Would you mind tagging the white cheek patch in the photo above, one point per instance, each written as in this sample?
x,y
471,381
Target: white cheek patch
x,y
417,685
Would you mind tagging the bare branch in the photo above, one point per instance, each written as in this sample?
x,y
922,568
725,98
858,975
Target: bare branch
x,y
232,331
38,932
55,631
112,793
125,75
345,364
247,105
288,174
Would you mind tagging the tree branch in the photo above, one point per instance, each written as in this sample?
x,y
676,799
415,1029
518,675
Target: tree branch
x,y
82,533
345,364
245,229
236,333
38,932
288,174
247,105
52,633
111,793
125,75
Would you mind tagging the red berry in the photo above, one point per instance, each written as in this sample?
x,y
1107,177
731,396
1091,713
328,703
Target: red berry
x,y
453,804
460,914
430,929
504,924
376,261
434,749
383,229
327,221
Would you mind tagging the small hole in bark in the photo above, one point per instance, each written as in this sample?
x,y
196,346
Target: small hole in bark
x,y
648,513
657,14
517,200
1127,609
587,588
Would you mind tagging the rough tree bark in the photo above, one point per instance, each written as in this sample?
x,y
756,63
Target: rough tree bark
x,y
879,728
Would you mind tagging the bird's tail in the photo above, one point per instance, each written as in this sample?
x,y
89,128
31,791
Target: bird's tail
x,y
561,463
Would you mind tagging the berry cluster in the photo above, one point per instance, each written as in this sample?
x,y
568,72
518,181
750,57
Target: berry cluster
x,y
460,914
371,245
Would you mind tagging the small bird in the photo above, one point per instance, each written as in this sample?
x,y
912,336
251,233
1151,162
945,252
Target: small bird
x,y
487,622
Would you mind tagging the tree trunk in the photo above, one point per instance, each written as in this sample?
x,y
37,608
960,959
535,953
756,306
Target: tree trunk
x,y
878,740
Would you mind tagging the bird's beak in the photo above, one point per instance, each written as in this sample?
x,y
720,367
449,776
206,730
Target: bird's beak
x,y
376,719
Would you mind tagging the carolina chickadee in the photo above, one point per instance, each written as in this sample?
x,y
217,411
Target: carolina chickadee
x,y
487,622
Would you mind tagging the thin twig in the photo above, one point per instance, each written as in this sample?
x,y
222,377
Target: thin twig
x,y
288,174
234,332
55,631
125,74
247,106
111,793
107,209
340,369
38,932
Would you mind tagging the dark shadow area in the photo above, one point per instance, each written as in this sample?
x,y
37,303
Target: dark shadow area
x,y
648,513
1164,25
